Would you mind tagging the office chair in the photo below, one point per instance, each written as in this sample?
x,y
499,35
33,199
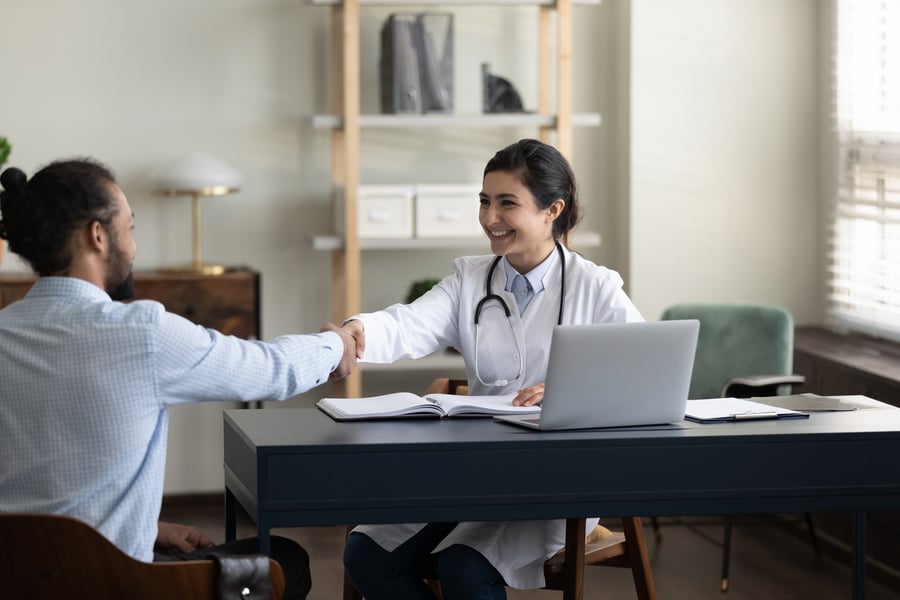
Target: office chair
x,y
52,556
564,571
743,350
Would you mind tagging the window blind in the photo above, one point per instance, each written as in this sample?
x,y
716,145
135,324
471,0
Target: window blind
x,y
863,274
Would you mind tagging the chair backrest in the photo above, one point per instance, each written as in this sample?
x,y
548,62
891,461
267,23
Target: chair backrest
x,y
52,556
737,340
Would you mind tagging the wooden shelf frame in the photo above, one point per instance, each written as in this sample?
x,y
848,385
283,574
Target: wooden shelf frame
x,y
554,121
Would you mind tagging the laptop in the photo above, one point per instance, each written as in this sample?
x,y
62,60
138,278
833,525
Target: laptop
x,y
615,375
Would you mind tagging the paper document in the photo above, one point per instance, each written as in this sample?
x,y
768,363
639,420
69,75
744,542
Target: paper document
x,y
808,403
716,410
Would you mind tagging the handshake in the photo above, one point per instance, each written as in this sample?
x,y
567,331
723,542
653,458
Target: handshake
x,y
353,335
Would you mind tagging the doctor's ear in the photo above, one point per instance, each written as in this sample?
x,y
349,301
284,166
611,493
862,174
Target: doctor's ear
x,y
556,208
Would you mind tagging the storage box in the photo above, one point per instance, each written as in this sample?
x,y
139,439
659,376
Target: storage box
x,y
383,211
447,211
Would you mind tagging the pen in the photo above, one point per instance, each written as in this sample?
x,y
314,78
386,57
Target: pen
x,y
754,415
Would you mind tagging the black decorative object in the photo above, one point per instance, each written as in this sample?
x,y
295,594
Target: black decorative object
x,y
498,94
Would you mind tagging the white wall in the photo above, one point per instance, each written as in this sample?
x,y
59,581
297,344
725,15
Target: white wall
x,y
135,84
724,151
701,179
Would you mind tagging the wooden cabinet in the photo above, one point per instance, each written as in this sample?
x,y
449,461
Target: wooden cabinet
x,y
840,364
228,303
553,121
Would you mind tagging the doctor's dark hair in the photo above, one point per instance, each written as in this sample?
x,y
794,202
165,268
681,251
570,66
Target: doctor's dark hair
x,y
38,217
547,175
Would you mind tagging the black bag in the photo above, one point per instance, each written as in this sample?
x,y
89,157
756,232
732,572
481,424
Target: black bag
x,y
244,577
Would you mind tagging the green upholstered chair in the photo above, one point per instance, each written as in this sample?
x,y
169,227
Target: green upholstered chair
x,y
743,350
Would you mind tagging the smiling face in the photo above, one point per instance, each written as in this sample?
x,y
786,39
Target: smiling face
x,y
510,217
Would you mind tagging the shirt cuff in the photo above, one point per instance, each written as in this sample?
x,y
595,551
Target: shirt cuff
x,y
335,344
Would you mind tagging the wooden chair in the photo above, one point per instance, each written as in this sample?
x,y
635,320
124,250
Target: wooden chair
x,y
51,556
564,571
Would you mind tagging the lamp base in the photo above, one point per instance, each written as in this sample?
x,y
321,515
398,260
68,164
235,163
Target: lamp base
x,y
197,269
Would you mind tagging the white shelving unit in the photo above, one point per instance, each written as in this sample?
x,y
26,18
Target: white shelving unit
x,y
553,121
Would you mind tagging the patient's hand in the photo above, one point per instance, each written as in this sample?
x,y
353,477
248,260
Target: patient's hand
x,y
529,396
348,360
170,536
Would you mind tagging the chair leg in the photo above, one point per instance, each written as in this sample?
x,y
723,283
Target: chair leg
x,y
573,586
726,552
638,560
813,538
657,533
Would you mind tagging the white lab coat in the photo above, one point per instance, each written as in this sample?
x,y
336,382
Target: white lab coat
x,y
444,317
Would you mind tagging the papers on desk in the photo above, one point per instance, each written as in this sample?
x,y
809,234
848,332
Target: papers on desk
x,y
809,403
720,410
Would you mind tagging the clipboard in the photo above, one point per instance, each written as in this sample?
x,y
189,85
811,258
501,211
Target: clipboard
x,y
724,410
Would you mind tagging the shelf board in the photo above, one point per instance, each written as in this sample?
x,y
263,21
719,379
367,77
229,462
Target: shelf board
x,y
439,361
456,120
456,2
581,239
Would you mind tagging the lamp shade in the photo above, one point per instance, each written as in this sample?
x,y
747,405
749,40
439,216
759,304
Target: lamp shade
x,y
196,172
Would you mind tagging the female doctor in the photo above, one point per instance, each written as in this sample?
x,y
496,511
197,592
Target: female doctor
x,y
528,204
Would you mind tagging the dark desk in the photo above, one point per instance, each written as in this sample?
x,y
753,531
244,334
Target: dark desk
x,y
297,467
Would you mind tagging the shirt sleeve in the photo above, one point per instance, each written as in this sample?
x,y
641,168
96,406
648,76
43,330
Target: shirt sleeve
x,y
405,331
196,364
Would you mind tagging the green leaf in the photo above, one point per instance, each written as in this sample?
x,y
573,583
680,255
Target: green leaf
x,y
5,149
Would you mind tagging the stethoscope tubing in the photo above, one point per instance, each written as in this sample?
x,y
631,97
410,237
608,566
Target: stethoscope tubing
x,y
489,295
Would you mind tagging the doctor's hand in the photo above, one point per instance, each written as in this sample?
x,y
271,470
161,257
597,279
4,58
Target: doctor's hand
x,y
529,396
348,360
358,330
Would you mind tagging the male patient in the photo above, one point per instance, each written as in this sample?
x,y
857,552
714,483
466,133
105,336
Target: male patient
x,y
86,381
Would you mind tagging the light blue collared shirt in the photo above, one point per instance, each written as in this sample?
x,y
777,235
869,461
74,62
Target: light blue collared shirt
x,y
535,276
85,387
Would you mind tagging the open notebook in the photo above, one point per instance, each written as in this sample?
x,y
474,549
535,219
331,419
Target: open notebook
x,y
407,404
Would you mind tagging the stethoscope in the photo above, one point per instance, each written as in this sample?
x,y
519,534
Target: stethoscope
x,y
489,295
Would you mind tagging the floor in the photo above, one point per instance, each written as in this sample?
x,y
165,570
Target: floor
x,y
771,559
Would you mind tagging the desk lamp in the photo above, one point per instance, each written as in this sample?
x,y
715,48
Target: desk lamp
x,y
197,175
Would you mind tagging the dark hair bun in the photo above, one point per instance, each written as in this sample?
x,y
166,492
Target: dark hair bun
x,y
13,180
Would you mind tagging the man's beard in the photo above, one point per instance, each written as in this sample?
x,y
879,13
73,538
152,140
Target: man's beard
x,y
120,280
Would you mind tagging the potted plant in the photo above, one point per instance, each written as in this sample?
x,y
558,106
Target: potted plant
x,y
417,288
5,149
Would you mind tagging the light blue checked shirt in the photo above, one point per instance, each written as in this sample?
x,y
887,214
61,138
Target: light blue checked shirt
x,y
85,386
